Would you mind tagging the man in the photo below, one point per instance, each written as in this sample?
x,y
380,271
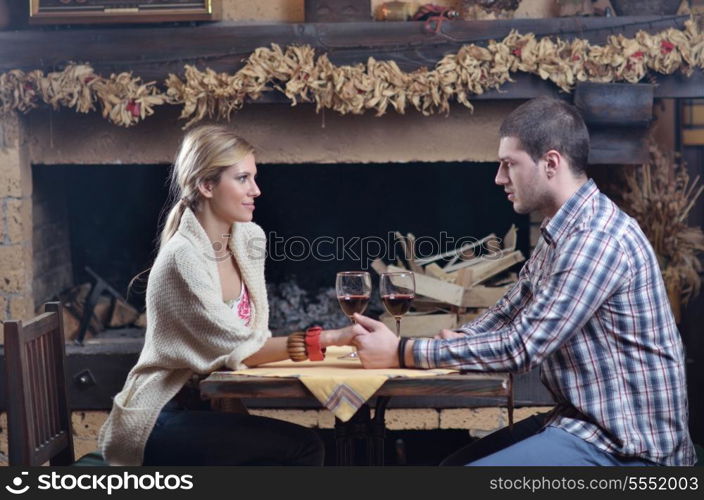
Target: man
x,y
589,307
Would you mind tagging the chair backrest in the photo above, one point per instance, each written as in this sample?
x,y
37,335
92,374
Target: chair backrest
x,y
38,416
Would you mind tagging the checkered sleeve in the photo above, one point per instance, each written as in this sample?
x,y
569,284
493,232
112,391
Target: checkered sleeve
x,y
591,265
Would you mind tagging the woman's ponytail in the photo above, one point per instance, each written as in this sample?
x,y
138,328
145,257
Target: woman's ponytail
x,y
172,222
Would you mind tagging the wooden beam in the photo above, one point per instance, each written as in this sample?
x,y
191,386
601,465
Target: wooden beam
x,y
509,243
679,86
224,384
379,266
618,145
435,288
154,52
411,258
463,319
436,272
421,325
456,253
484,296
615,104
485,270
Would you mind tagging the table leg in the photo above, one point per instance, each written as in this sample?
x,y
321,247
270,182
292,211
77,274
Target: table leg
x,y
348,433
361,427
375,444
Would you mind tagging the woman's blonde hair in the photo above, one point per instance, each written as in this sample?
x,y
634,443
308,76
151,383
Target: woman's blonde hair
x,y
205,152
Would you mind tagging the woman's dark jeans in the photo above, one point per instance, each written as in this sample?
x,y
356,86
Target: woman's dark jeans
x,y
196,437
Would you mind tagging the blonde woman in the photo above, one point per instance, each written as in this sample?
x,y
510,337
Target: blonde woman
x,y
206,310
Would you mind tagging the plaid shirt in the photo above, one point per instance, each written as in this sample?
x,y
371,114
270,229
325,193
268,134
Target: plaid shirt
x,y
590,308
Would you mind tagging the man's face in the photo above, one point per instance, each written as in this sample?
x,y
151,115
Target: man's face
x,y
521,177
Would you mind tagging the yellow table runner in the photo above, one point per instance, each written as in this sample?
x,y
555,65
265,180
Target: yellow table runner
x,y
341,385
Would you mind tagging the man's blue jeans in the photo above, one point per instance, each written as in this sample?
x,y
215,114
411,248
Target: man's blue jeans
x,y
531,444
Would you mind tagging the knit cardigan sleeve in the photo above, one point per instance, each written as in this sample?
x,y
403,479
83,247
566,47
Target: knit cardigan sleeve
x,y
192,327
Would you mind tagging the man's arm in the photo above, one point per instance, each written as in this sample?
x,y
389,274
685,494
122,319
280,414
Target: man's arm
x,y
590,267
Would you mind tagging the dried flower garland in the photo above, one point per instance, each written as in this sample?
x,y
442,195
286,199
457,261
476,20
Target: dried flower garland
x,y
659,196
124,99
377,85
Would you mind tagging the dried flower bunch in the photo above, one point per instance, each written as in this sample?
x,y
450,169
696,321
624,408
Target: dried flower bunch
x,y
124,99
660,196
304,76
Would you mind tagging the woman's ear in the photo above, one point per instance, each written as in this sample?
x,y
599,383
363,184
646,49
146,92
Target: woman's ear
x,y
206,189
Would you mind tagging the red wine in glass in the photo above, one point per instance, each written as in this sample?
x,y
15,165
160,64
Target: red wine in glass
x,y
351,304
397,293
353,289
397,304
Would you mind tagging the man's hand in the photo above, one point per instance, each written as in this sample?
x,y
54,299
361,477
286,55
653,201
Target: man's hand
x,y
377,346
448,334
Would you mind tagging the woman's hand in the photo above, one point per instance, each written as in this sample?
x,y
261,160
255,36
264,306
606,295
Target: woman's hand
x,y
341,336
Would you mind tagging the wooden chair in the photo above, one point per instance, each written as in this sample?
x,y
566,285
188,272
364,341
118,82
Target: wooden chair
x,y
39,418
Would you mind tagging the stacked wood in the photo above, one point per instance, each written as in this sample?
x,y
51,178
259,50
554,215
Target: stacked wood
x,y
108,312
141,321
454,287
122,315
73,301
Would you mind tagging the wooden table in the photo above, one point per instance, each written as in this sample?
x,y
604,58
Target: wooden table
x,y
224,385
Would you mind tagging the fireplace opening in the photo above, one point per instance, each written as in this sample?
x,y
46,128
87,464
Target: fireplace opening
x,y
105,217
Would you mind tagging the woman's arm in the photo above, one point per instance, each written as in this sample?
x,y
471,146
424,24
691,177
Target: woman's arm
x,y
274,349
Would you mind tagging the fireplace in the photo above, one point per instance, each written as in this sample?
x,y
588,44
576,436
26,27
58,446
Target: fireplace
x,y
97,191
91,194
319,218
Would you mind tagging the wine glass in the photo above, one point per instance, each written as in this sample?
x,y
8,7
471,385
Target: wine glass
x,y
397,290
353,288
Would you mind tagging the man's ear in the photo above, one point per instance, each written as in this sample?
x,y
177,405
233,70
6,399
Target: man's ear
x,y
553,161
206,189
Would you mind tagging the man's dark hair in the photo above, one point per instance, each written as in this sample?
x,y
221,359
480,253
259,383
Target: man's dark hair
x,y
544,123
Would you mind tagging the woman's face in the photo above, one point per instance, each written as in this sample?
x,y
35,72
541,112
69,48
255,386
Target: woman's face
x,y
232,199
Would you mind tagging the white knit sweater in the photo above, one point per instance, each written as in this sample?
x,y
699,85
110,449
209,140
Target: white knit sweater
x,y
189,330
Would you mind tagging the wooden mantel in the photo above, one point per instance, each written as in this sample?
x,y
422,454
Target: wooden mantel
x,y
154,52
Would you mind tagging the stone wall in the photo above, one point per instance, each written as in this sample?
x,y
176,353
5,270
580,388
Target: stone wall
x,y
16,300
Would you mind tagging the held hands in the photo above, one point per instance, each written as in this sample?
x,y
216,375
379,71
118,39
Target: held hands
x,y
341,336
376,345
